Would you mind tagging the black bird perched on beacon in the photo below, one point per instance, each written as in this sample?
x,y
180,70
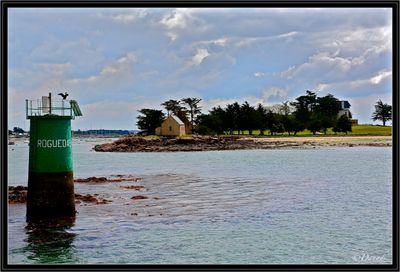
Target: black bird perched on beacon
x,y
64,95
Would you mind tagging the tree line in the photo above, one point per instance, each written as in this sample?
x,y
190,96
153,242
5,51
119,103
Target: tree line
x,y
308,111
16,130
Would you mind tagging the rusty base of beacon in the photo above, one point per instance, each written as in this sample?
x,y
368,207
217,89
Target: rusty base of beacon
x,y
50,195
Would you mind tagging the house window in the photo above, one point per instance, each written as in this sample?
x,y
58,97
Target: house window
x,y
170,128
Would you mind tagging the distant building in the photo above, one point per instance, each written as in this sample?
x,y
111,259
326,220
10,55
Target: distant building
x,y
172,126
345,110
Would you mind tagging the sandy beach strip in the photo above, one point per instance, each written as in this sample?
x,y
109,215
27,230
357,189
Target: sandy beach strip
x,y
324,139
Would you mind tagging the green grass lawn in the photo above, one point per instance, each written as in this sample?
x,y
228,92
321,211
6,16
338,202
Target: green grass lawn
x,y
357,130
370,130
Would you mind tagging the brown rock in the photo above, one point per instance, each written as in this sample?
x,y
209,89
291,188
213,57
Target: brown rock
x,y
17,188
103,201
86,198
137,188
90,199
16,196
92,180
104,179
137,197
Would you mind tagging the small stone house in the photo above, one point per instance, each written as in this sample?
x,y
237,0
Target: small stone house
x,y
172,126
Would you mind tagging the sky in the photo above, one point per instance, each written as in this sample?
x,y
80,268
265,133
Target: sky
x,y
115,62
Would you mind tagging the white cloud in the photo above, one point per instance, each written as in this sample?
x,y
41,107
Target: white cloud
x,y
106,115
178,18
130,17
51,77
323,61
342,55
173,36
79,51
290,34
331,66
259,74
382,75
220,42
273,91
288,73
209,104
114,114
322,87
199,57
359,84
263,99
210,52
55,68
249,41
376,79
149,75
112,71
16,109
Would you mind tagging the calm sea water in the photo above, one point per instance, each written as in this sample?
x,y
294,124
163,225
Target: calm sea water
x,y
292,206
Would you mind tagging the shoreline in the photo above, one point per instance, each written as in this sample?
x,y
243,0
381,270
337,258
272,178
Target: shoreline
x,y
206,143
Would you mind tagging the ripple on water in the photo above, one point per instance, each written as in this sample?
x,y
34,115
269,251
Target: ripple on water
x,y
259,206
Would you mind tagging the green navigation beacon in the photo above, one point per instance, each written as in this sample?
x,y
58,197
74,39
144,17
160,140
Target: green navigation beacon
x,y
50,177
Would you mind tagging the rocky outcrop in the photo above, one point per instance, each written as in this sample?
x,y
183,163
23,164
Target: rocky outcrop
x,y
118,178
133,187
137,197
17,194
141,144
206,143
90,199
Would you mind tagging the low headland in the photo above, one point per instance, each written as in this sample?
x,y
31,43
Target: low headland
x,y
209,143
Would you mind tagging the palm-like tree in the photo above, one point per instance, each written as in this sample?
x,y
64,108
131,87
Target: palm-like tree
x,y
172,106
382,112
194,109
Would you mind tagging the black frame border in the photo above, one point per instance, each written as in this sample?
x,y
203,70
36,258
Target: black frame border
x,y
7,4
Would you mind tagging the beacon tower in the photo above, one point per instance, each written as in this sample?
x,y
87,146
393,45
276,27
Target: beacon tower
x,y
50,177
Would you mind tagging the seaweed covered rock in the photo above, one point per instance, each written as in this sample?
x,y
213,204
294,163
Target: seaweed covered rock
x,y
142,144
17,194
88,198
115,178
